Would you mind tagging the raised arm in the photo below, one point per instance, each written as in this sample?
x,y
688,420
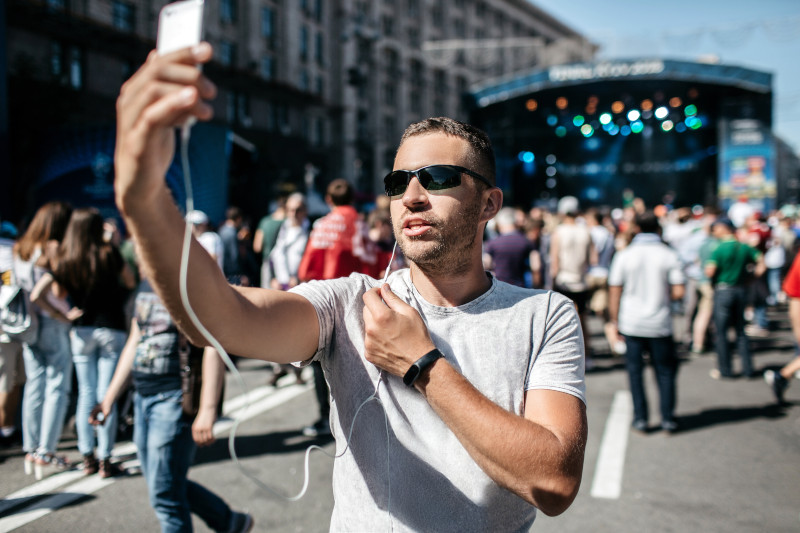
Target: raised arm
x,y
162,95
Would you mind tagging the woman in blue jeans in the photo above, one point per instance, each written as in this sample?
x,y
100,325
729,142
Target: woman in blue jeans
x,y
48,362
165,436
96,280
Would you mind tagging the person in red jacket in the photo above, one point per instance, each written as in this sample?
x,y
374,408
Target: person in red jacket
x,y
779,380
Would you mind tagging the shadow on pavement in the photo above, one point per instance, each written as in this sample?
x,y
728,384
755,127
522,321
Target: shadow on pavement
x,y
728,415
279,442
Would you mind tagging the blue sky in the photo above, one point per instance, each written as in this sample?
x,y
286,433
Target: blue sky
x,y
763,35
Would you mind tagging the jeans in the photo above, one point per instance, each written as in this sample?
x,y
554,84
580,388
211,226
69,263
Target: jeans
x,y
774,283
665,364
163,437
729,303
95,352
48,370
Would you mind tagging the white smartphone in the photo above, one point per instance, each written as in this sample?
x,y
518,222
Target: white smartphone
x,y
180,24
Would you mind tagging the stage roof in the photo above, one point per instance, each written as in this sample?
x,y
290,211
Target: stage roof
x,y
576,74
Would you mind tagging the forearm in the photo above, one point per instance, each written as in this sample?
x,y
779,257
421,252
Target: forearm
x,y
122,374
213,375
525,457
614,297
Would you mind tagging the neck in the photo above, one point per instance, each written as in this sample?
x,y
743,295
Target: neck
x,y
448,289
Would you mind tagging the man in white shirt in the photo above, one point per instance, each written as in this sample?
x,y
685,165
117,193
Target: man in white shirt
x,y
644,277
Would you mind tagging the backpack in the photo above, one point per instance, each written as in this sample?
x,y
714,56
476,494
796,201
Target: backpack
x,y
17,318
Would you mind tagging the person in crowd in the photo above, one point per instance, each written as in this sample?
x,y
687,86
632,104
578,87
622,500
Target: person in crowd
x,y
265,237
459,361
510,252
779,380
597,276
756,233
95,278
728,268
285,262
165,436
12,369
571,254
48,364
208,238
534,232
644,278
229,236
337,248
705,290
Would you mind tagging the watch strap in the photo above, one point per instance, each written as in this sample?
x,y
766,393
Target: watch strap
x,y
416,369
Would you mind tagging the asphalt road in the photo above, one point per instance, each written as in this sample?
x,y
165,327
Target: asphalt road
x,y
734,466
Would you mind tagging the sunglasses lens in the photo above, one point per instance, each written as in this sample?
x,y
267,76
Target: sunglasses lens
x,y
432,178
440,177
395,182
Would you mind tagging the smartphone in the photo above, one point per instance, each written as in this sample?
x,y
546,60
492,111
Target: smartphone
x,y
180,24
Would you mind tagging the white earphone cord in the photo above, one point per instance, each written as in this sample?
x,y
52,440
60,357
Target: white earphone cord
x,y
187,239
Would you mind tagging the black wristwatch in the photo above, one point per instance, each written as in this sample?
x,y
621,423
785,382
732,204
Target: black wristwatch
x,y
419,365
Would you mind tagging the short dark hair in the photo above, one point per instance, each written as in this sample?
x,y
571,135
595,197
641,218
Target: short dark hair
x,y
341,192
647,222
233,213
481,156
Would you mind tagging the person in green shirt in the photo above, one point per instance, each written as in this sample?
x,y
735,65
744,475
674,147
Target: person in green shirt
x,y
729,267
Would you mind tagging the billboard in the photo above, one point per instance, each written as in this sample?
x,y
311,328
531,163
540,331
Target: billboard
x,y
747,164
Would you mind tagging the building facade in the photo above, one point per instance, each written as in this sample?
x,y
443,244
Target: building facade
x,y
310,90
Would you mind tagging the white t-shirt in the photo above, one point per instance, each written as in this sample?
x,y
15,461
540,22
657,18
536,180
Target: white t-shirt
x,y
213,245
645,270
505,342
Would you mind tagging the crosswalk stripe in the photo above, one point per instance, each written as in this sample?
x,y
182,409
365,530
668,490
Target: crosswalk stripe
x,y
607,481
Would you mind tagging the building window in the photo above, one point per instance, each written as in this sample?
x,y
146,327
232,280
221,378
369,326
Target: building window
x,y
268,25
123,16
413,8
227,11
267,67
319,49
56,61
387,24
227,53
303,43
318,6
390,93
75,68
304,79
320,89
56,5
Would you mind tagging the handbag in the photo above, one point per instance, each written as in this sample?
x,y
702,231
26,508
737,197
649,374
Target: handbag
x,y
18,320
191,362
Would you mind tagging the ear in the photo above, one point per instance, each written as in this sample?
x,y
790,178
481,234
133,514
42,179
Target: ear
x,y
492,202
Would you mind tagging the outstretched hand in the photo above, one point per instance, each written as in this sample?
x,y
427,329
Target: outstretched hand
x,y
395,334
162,94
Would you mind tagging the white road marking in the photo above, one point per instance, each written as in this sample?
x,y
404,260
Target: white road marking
x,y
260,401
607,481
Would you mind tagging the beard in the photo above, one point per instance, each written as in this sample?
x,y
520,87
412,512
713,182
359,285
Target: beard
x,y
447,248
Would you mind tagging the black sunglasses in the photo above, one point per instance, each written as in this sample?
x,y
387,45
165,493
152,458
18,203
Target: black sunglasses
x,y
432,178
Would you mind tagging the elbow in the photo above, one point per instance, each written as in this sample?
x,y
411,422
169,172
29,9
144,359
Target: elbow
x,y
555,499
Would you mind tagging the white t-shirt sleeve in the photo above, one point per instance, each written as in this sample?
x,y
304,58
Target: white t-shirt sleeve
x,y
559,362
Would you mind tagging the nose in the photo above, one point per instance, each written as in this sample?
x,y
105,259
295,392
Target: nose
x,y
415,194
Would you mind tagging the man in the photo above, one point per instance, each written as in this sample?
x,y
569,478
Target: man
x,y
229,236
511,253
265,237
482,436
644,277
728,268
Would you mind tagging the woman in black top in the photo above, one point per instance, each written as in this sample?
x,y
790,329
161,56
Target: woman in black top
x,y
97,281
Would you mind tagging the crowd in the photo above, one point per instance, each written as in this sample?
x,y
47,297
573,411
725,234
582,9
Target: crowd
x,y
689,273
